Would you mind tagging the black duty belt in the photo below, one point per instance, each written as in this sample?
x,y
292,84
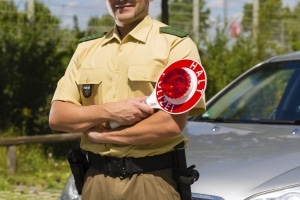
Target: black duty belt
x,y
126,167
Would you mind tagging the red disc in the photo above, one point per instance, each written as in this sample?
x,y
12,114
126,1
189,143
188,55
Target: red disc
x,y
174,83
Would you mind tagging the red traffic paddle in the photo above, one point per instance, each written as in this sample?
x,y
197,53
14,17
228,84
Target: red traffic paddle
x,y
179,88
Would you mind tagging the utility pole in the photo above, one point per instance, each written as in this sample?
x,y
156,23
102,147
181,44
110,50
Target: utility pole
x,y
30,10
225,12
165,11
255,17
196,16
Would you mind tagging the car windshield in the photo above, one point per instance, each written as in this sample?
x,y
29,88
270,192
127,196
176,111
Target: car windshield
x,y
268,93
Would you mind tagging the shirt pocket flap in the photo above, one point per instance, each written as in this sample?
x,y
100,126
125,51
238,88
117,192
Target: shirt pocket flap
x,y
144,73
90,76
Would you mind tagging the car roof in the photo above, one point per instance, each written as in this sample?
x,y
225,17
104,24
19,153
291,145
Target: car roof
x,y
284,57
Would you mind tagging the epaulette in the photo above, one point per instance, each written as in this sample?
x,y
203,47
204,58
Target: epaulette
x,y
91,37
173,31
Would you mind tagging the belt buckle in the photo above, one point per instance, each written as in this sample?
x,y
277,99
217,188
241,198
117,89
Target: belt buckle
x,y
121,167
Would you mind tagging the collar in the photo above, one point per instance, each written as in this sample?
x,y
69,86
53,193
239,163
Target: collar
x,y
140,32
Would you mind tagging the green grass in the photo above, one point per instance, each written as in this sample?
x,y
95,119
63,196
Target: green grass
x,y
35,167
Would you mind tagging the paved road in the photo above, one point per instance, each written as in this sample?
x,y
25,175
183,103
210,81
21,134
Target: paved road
x,y
30,193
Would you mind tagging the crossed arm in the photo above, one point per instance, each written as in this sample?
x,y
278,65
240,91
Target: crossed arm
x,y
142,124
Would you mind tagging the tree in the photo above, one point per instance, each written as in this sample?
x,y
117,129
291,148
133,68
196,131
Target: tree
x,y
225,58
182,14
214,56
274,24
30,63
293,29
97,25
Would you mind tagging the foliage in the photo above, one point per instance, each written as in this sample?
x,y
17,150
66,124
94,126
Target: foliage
x,y
293,32
214,59
225,58
182,15
35,168
276,24
94,24
30,64
34,55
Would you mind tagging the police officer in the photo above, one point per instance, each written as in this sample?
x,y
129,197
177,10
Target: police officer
x,y
107,79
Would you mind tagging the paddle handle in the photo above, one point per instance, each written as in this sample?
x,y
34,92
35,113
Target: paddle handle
x,y
114,125
150,101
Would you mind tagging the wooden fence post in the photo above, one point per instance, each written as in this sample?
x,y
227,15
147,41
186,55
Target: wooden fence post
x,y
11,143
11,159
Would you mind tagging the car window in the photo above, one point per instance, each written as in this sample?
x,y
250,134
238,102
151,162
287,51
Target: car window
x,y
262,94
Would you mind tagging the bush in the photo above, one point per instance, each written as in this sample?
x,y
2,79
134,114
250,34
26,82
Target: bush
x,y
35,167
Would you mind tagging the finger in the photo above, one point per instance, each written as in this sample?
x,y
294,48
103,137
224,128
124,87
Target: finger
x,y
141,99
146,109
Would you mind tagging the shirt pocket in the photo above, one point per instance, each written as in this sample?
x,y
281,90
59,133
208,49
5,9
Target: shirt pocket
x,y
142,79
89,86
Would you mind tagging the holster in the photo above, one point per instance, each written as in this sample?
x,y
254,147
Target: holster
x,y
79,165
183,175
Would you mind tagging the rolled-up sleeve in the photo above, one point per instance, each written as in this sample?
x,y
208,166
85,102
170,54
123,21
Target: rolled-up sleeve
x,y
67,89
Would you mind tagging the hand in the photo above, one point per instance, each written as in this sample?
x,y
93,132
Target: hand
x,y
94,134
129,111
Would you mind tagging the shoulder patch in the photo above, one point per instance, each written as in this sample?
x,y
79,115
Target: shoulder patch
x,y
173,31
92,37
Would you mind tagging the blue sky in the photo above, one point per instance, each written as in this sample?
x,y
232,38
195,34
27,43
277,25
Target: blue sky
x,y
66,9
84,9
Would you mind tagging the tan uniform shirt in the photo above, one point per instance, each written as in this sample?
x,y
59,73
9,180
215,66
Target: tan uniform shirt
x,y
120,69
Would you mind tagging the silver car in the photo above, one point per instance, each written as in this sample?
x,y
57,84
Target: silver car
x,y
246,146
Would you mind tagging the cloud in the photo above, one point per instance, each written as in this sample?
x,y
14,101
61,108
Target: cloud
x,y
73,3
